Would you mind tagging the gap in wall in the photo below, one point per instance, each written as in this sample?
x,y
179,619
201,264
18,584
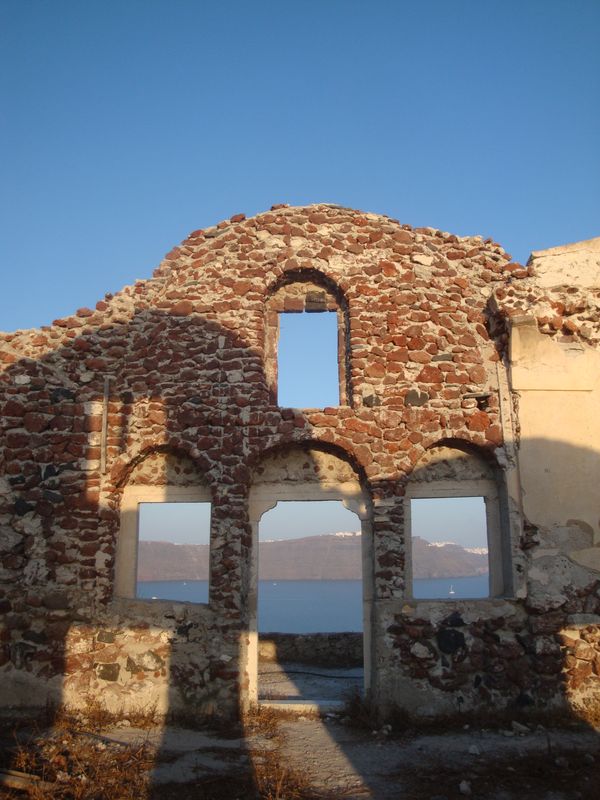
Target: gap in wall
x,y
310,582
450,559
173,551
307,360
310,568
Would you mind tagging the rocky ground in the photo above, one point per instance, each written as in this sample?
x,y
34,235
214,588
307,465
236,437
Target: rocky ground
x,y
279,757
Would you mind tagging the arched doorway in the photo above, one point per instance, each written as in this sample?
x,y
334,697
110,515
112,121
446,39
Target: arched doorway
x,y
308,473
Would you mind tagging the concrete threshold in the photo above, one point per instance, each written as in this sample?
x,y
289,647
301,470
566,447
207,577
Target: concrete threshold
x,y
315,706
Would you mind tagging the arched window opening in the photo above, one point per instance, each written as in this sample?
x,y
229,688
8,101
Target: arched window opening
x,y
459,537
163,548
306,343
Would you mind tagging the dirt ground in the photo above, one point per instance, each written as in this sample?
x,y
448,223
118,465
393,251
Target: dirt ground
x,y
273,756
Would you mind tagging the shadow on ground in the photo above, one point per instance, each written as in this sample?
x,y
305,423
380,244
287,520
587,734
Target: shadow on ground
x,y
275,756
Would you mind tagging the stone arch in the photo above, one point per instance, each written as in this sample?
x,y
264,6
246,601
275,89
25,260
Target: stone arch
x,y
278,449
126,466
463,451
309,275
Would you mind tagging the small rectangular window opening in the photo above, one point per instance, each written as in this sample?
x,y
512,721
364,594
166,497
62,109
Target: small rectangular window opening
x,y
450,559
173,551
307,360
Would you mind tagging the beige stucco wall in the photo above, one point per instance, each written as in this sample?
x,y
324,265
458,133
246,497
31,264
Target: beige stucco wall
x,y
556,383
572,264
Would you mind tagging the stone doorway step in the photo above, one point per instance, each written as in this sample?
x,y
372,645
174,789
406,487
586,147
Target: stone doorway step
x,y
300,707
304,688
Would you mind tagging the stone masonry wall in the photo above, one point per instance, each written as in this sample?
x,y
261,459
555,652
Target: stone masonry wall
x,y
320,649
170,377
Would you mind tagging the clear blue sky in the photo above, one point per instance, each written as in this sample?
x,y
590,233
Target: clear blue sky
x,y
181,523
125,124
291,520
189,523
457,519
308,372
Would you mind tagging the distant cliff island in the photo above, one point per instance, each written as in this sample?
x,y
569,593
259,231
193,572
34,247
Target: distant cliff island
x,y
329,557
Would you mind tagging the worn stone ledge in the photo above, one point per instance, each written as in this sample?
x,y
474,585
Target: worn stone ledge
x,y
323,649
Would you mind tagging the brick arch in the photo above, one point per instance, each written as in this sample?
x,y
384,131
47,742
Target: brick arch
x,y
485,452
308,444
124,467
314,275
462,450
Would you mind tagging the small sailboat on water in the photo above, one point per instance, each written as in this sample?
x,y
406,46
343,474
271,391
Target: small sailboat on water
x,y
451,591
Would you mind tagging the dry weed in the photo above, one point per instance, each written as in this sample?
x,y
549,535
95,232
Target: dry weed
x,y
72,756
81,766
274,779
96,717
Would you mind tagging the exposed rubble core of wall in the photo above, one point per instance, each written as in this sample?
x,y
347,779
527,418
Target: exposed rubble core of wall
x,y
170,386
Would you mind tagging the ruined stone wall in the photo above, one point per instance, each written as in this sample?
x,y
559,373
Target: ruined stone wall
x,y
171,378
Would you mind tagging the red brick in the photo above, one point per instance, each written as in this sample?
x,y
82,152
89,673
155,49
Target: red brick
x,y
430,374
12,408
357,249
478,421
478,374
375,370
35,423
182,309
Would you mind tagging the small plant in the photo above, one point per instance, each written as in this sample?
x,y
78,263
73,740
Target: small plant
x,y
360,712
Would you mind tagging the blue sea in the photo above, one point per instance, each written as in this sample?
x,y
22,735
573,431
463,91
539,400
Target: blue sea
x,y
314,606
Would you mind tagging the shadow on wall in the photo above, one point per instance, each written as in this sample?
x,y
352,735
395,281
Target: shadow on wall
x,y
189,398
185,406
